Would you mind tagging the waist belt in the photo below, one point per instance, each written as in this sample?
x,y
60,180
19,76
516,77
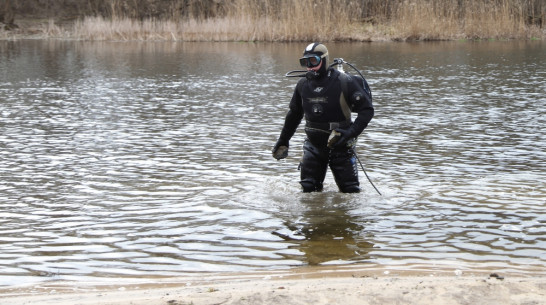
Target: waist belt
x,y
328,125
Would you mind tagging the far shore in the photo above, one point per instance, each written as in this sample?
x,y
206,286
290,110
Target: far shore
x,y
100,29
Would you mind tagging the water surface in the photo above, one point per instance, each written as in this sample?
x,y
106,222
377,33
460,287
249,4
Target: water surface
x,y
139,160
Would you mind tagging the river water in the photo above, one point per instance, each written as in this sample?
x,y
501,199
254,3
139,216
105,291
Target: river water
x,y
134,159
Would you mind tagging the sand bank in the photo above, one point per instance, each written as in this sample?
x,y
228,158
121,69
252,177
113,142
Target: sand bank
x,y
316,287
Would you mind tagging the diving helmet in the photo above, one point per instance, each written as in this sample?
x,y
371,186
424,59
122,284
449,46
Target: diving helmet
x,y
313,55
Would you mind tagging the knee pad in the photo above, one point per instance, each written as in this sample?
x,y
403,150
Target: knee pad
x,y
343,165
313,168
350,189
311,186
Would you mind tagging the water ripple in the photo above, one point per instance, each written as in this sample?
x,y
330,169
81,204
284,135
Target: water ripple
x,y
151,165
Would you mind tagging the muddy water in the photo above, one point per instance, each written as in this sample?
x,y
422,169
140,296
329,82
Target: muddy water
x,y
134,160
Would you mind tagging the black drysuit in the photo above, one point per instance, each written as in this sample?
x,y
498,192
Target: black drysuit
x,y
325,107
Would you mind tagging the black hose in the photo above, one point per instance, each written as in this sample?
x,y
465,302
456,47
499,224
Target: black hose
x,y
292,73
362,166
338,61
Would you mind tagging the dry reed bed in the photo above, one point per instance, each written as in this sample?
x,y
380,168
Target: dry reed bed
x,y
323,20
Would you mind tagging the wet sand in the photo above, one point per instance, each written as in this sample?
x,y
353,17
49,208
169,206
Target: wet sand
x,y
320,286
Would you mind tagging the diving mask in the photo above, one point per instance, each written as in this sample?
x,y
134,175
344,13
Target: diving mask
x,y
310,61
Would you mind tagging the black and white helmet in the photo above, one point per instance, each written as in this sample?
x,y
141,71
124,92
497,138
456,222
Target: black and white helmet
x,y
319,49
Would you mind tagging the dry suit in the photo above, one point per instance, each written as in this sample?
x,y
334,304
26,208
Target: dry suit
x,y
326,103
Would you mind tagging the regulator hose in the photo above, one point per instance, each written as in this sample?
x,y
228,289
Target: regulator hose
x,y
365,173
293,73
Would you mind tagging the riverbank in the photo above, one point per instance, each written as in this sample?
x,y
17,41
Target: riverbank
x,y
318,287
281,21
125,29
274,20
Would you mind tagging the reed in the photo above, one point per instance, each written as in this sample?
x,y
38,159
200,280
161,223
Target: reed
x,y
284,20
51,29
425,19
311,20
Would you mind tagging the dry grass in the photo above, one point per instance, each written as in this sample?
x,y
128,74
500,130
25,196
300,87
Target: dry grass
x,y
314,20
428,20
245,20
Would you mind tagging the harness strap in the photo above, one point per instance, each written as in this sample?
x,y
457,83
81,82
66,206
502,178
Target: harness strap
x,y
328,125
344,100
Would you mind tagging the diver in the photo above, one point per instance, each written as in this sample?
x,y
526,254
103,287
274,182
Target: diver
x,y
326,98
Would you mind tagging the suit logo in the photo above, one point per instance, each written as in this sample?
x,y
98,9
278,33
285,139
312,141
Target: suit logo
x,y
317,109
314,100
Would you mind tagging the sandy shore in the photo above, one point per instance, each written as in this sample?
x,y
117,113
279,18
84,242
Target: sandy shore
x,y
316,287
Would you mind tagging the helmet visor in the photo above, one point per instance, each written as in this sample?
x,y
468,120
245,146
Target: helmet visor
x,y
310,61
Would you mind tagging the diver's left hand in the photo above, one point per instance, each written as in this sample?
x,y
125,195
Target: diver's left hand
x,y
346,135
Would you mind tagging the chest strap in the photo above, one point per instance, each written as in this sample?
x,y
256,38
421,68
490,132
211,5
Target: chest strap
x,y
328,125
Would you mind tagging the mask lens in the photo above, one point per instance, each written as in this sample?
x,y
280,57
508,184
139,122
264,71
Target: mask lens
x,y
310,62
314,61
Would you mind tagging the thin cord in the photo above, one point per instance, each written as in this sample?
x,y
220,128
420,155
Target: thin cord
x,y
354,153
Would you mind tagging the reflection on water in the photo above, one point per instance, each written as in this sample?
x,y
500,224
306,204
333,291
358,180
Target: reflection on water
x,y
153,159
326,232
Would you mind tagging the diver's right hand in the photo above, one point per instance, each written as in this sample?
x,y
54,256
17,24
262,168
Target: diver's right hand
x,y
280,150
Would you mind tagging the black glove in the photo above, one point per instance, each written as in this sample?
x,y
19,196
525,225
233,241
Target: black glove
x,y
346,135
280,150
